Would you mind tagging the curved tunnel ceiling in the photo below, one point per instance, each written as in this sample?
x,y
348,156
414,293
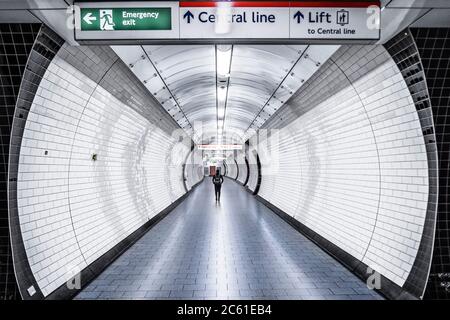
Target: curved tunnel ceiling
x,y
186,81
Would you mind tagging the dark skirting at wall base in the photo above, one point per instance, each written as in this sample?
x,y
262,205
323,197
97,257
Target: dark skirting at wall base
x,y
388,289
248,190
98,266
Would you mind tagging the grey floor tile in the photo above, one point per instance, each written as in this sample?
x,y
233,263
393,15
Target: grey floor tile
x,y
88,295
237,249
181,293
157,294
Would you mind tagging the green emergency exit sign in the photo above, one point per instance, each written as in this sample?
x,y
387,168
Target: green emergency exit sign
x,y
111,19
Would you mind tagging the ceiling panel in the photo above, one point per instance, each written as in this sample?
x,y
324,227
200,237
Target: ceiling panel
x,y
256,73
186,80
190,75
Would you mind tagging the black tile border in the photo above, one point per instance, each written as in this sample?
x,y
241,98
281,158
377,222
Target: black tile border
x,y
404,52
389,289
16,44
45,47
433,47
237,169
248,172
88,274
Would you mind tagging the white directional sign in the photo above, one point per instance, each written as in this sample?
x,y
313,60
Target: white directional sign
x,y
233,20
322,21
329,20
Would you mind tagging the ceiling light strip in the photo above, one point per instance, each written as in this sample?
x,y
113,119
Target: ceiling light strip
x,y
227,90
221,101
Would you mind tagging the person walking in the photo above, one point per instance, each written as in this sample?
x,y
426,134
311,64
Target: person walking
x,y
217,181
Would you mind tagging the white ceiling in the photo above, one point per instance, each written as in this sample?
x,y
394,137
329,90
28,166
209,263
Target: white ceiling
x,y
183,78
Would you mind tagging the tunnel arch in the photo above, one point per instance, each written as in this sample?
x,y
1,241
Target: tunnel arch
x,y
315,152
145,125
96,163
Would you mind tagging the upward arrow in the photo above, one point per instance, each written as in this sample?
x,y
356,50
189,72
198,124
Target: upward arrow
x,y
299,16
188,15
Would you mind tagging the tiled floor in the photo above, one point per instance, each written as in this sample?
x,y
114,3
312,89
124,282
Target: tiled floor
x,y
237,249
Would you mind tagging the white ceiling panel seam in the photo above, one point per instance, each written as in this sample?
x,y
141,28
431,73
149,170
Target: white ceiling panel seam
x,y
168,89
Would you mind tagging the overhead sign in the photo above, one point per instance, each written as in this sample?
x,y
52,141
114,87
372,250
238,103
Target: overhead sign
x,y
323,21
126,20
328,20
219,147
264,19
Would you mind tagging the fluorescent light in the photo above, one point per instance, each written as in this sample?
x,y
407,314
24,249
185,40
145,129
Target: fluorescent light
x,y
221,94
223,60
221,113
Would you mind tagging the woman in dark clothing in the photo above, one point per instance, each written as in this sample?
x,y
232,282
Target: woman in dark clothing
x,y
217,181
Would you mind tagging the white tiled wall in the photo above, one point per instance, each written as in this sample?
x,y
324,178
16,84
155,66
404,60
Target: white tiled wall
x,y
253,168
194,172
73,209
353,166
232,169
242,167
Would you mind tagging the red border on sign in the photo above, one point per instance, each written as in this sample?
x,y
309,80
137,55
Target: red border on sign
x,y
282,4
248,4
334,4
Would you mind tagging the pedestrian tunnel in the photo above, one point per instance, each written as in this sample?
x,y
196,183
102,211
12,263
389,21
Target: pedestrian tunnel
x,y
334,158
